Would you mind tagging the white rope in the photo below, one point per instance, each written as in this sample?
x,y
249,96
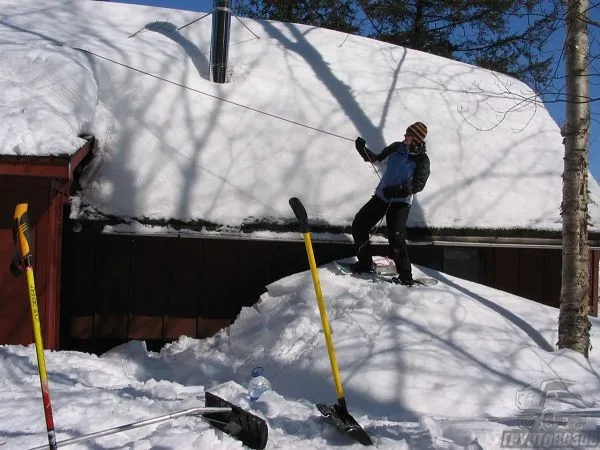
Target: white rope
x,y
381,221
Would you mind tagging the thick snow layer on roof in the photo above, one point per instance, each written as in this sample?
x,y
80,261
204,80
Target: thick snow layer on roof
x,y
174,145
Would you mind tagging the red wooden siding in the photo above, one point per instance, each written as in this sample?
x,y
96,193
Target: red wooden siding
x,y
43,183
15,319
57,167
45,216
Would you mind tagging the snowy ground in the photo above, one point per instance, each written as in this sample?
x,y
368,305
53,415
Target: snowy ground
x,y
446,367
453,366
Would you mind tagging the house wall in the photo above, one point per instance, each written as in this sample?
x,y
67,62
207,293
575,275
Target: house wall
x,y
45,199
534,274
117,287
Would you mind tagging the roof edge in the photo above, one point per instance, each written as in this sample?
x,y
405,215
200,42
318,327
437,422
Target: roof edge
x,y
47,166
517,237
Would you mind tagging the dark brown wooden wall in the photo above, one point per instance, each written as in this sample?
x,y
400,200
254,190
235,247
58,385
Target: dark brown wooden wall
x,y
45,199
533,273
118,287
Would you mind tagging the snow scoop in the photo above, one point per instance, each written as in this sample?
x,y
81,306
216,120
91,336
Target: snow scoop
x,y
225,416
253,430
337,414
23,260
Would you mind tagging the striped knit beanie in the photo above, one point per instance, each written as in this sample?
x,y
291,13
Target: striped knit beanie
x,y
418,130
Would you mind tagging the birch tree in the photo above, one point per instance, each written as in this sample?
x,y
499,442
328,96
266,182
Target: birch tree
x,y
573,323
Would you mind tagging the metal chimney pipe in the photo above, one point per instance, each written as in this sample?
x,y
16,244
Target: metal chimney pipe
x,y
221,23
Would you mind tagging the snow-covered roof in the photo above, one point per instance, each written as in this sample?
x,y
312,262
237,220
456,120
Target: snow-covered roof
x,y
174,145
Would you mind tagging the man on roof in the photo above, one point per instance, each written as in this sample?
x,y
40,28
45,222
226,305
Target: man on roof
x,y
406,174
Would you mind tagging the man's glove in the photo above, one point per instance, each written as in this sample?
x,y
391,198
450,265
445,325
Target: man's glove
x,y
397,191
363,151
360,144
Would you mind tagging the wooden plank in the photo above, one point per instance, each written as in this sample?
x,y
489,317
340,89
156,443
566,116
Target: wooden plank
x,y
51,229
291,257
183,289
429,256
80,327
60,167
15,316
488,266
113,269
462,262
325,252
258,263
552,277
61,186
80,278
209,327
79,287
145,327
113,326
29,168
506,269
221,277
15,319
531,274
150,275
179,326
149,278
80,155
594,260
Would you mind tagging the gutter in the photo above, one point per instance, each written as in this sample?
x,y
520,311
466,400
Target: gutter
x,y
344,238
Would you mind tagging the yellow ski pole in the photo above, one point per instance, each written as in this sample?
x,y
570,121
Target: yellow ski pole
x,y
22,236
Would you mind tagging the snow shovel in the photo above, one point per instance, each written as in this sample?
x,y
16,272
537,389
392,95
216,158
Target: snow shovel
x,y
225,416
337,414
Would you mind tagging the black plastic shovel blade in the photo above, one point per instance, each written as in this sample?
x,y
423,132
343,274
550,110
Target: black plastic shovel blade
x,y
345,422
248,428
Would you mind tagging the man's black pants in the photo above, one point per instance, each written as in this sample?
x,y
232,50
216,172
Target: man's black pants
x,y
367,218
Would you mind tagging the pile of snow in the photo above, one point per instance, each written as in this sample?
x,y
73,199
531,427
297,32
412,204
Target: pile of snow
x,y
450,366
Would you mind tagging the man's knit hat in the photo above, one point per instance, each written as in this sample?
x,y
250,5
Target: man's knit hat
x,y
418,130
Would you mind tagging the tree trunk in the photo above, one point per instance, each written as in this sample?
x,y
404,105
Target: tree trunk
x,y
573,322
418,27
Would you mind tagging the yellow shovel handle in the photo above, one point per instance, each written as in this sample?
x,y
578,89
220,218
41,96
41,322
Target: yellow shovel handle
x,y
324,317
300,213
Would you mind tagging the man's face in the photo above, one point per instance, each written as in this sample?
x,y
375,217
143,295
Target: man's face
x,y
408,138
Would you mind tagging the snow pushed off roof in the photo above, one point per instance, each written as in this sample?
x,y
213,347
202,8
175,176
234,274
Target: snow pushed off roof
x,y
453,366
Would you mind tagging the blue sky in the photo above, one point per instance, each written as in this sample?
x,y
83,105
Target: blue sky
x,y
556,109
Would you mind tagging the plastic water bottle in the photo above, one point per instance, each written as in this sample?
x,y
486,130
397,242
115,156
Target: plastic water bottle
x,y
258,384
